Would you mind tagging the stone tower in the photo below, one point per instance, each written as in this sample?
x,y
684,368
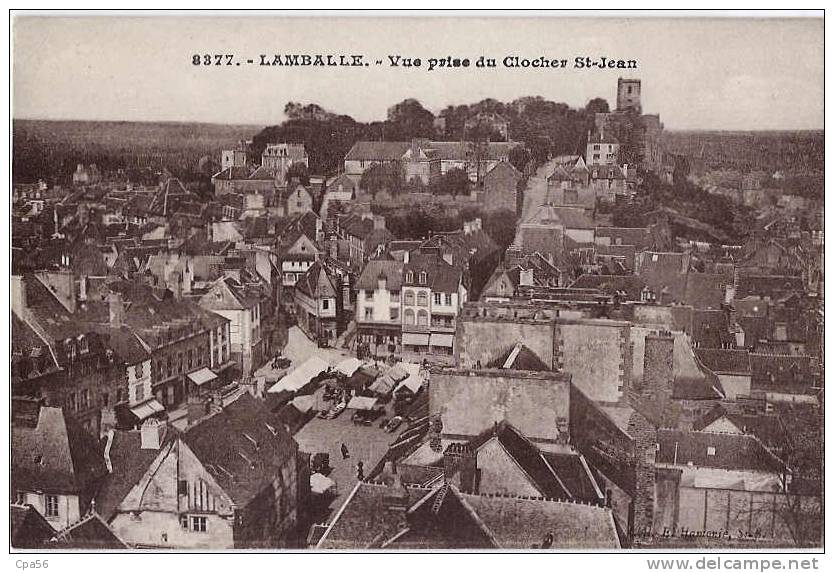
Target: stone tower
x,y
628,95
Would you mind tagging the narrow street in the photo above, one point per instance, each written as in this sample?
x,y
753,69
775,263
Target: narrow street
x,y
536,190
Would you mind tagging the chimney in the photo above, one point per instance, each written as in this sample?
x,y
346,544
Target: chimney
x,y
187,278
176,287
406,256
108,421
117,309
345,291
658,367
83,283
435,429
641,509
379,222
153,433
729,293
18,295
382,281
525,277
462,459
396,498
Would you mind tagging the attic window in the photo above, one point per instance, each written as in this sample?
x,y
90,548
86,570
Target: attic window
x,y
710,451
654,258
409,277
423,278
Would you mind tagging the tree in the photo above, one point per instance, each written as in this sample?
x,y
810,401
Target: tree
x,y
410,117
299,171
519,157
454,182
597,105
383,177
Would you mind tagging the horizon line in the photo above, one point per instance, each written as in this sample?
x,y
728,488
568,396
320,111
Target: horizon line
x,y
265,125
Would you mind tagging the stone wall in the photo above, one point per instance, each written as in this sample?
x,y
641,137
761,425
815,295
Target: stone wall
x,y
597,355
481,340
471,402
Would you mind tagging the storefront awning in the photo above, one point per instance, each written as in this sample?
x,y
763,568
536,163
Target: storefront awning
x,y
147,409
202,376
415,339
446,340
361,403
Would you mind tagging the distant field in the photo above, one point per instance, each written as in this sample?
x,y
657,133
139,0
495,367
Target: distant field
x,y
750,150
51,149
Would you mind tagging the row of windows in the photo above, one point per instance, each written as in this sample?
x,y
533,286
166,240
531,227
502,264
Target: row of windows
x,y
422,297
421,278
50,503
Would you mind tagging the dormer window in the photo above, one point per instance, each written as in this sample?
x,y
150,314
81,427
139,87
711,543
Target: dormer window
x,y
83,345
423,277
409,277
710,451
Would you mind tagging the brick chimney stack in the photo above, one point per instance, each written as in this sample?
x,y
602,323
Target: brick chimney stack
x,y
658,368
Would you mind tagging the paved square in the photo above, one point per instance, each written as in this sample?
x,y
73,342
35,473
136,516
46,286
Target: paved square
x,y
365,443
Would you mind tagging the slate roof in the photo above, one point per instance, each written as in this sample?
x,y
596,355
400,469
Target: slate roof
x,y
783,372
705,290
90,532
55,455
631,285
568,217
440,275
27,528
316,283
606,172
129,463
768,428
391,270
220,439
774,286
640,237
664,271
732,451
602,137
724,360
522,359
28,346
236,172
711,329
527,456
443,517
377,150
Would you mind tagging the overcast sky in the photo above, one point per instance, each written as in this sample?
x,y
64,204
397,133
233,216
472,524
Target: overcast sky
x,y
697,74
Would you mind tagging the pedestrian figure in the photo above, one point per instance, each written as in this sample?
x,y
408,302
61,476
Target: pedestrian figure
x,y
345,452
360,471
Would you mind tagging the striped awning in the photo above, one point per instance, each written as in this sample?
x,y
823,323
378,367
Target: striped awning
x,y
446,340
415,338
147,409
202,376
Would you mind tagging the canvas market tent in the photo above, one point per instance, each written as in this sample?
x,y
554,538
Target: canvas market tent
x,y
301,376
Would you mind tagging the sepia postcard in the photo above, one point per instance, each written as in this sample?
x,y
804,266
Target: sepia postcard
x,y
442,282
